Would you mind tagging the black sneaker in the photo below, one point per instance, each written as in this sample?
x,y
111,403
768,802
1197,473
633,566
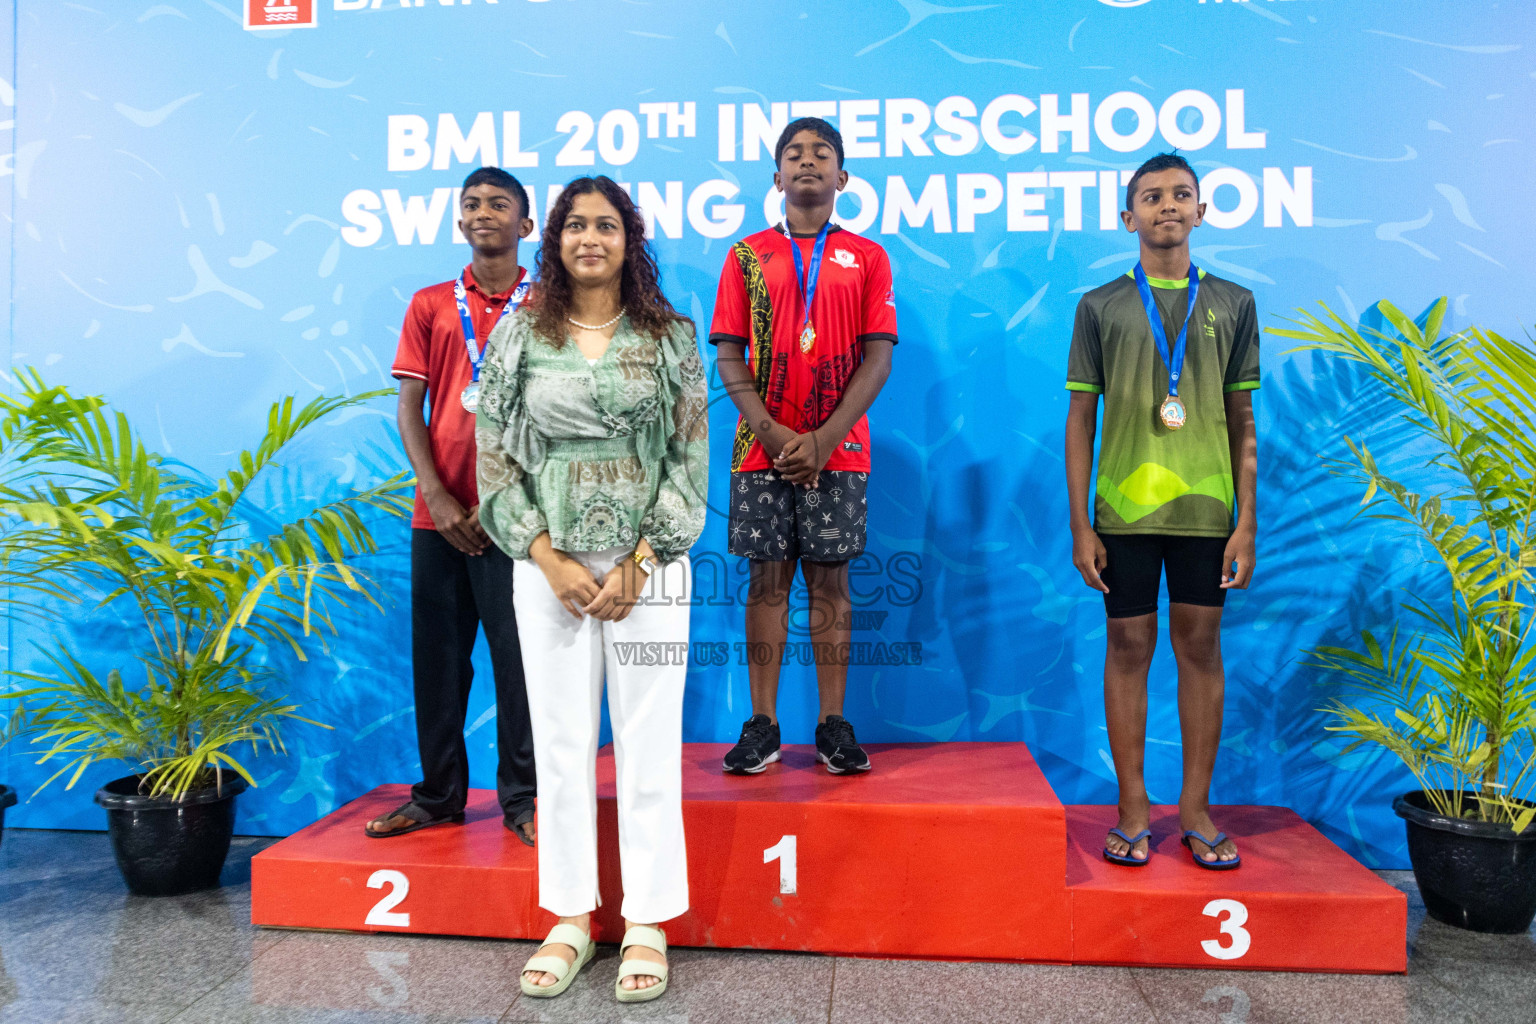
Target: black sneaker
x,y
757,749
837,749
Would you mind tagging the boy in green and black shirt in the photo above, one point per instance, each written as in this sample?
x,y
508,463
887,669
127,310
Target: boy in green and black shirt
x,y
1178,451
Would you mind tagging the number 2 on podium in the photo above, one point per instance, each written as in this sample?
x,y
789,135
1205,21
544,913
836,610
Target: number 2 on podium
x,y
784,852
383,912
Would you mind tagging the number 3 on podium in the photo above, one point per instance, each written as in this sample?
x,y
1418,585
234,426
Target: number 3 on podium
x,y
784,852
1237,916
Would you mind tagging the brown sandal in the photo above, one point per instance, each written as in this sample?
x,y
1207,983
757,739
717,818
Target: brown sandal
x,y
515,823
420,819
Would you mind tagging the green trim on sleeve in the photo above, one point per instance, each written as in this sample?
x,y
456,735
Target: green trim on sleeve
x,y
1073,385
1246,385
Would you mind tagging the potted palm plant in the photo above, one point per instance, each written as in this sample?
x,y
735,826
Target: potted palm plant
x,y
1452,692
90,515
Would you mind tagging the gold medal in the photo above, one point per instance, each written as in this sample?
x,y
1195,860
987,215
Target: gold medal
x,y
1173,413
807,337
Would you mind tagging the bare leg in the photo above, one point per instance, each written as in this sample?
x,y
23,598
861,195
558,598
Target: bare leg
x,y
830,613
767,628
1196,634
542,978
635,981
1129,656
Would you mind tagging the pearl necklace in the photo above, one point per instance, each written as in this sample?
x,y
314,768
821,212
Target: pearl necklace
x,y
596,327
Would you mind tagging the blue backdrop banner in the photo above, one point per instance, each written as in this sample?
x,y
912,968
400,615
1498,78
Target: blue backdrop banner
x,y
214,205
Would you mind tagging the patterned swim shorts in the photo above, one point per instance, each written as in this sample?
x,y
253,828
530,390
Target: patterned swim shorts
x,y
772,520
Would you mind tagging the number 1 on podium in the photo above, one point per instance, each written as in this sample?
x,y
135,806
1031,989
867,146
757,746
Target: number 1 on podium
x,y
784,852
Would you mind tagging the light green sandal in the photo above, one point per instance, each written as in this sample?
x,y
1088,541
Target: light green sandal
x,y
650,938
565,973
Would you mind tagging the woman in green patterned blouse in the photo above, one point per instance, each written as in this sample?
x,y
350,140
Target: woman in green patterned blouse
x,y
593,448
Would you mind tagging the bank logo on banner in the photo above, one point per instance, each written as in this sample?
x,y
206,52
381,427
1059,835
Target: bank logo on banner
x,y
261,14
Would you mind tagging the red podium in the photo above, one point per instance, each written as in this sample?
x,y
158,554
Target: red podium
x,y
1298,903
948,850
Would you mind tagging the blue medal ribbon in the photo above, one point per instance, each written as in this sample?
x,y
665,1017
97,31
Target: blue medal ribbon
x,y
1173,360
461,296
807,282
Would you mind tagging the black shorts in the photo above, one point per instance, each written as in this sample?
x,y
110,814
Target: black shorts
x,y
773,520
1136,563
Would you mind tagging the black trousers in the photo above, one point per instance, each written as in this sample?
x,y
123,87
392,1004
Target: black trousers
x,y
452,596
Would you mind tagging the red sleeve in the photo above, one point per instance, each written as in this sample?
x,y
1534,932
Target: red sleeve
x,y
879,321
415,341
733,318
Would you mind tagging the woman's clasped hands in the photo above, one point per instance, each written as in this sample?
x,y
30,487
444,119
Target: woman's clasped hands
x,y
609,599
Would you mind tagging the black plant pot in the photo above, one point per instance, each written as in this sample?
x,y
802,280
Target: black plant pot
x,y
1472,874
7,799
163,846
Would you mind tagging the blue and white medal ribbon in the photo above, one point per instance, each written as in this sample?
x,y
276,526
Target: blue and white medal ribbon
x,y
470,398
807,282
1172,413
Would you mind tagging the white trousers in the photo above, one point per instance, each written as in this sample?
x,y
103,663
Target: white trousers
x,y
564,659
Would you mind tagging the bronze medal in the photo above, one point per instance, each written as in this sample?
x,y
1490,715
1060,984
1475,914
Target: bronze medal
x,y
1173,413
807,338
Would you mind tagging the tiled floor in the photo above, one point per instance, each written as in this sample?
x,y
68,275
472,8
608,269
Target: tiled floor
x,y
74,946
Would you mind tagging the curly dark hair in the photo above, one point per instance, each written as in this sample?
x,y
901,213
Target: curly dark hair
x,y
639,285
1160,162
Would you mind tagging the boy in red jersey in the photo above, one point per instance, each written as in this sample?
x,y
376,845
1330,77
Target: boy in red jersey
x,y
805,321
459,579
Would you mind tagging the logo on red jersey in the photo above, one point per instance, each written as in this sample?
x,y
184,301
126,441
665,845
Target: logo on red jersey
x,y
261,14
844,259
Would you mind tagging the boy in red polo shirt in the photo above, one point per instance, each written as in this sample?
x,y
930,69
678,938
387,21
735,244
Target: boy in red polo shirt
x,y
805,321
459,579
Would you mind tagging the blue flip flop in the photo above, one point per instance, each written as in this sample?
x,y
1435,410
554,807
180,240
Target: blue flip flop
x,y
1210,865
1128,861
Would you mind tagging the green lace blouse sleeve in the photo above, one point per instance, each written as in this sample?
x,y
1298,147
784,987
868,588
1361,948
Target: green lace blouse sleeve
x,y
676,519
508,449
